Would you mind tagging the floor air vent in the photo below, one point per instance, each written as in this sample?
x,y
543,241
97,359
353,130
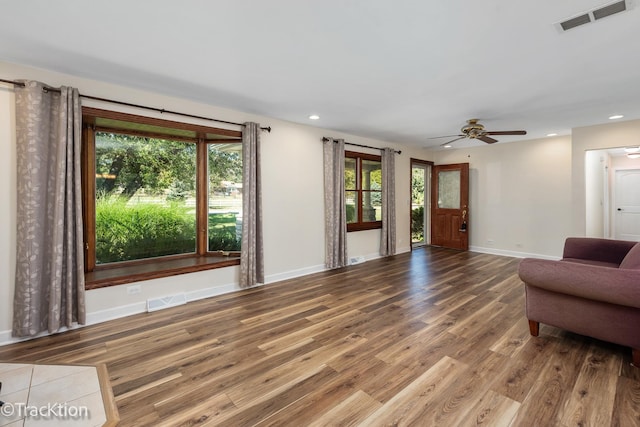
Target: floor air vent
x,y
594,14
155,304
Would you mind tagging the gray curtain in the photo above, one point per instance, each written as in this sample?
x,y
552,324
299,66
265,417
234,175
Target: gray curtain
x,y
49,286
251,255
335,217
388,235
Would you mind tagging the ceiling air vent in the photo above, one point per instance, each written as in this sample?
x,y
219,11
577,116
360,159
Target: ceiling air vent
x,y
609,10
575,22
594,14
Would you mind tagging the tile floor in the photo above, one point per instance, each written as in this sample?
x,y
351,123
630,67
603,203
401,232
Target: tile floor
x,y
50,395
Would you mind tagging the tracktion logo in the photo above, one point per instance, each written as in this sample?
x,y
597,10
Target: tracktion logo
x,y
59,411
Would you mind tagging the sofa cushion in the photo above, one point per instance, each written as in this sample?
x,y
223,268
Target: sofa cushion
x,y
632,260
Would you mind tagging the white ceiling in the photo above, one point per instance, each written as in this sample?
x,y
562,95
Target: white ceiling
x,y
401,70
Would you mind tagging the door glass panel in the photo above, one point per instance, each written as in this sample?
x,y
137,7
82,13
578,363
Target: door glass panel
x,y
417,205
449,189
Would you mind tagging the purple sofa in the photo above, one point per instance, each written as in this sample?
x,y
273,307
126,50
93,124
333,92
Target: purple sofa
x,y
594,291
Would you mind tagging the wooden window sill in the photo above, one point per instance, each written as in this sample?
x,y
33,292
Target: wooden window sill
x,y
360,226
155,270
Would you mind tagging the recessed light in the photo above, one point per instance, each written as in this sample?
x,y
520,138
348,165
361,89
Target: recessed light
x,y
631,149
314,117
633,155
617,116
552,134
447,146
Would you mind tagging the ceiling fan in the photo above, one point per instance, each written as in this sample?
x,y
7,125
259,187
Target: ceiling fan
x,y
474,130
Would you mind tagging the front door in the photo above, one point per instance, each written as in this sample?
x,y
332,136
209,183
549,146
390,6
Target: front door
x,y
450,206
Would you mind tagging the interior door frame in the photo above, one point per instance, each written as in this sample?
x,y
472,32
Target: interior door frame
x,y
458,236
427,198
613,184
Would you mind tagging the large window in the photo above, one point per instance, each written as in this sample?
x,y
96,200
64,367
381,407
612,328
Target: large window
x,y
363,191
157,191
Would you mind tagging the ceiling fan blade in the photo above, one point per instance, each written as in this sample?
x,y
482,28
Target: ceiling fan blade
x,y
487,139
444,136
453,140
506,132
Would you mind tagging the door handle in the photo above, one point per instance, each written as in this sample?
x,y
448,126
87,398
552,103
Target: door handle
x,y
463,226
619,209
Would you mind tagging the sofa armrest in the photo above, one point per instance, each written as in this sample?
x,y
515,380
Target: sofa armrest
x,y
612,285
603,250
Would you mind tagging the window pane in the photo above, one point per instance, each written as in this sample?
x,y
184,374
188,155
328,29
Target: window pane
x,y
371,194
351,198
225,196
371,175
371,206
349,174
145,197
449,189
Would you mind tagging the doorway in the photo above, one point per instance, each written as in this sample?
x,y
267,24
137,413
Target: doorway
x,y
420,202
612,202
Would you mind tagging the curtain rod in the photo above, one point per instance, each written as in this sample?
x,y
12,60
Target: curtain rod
x,y
325,138
112,101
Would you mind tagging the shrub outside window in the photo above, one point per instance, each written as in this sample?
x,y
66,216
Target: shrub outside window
x,y
363,191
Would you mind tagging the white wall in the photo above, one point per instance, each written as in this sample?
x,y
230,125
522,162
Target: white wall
x,y
596,165
293,201
520,195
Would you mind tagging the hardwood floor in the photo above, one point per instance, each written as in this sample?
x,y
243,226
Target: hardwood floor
x,y
431,338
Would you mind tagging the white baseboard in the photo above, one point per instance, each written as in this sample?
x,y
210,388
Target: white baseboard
x,y
211,292
403,250
6,338
116,312
513,254
294,273
369,257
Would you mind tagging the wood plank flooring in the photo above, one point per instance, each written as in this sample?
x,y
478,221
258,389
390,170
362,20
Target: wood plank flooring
x,y
431,338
